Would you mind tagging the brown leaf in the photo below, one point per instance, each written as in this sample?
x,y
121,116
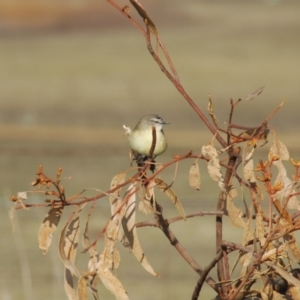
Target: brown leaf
x,y
110,253
171,195
114,198
234,213
68,243
111,282
94,258
92,250
260,228
280,150
245,261
248,234
142,12
48,227
82,288
194,176
145,204
129,236
213,165
248,166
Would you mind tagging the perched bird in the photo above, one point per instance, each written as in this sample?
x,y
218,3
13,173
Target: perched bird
x,y
141,138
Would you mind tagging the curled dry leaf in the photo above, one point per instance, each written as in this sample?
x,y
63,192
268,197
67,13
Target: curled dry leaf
x,y
92,250
292,244
142,12
288,187
245,261
286,223
248,166
93,261
235,214
110,253
194,176
48,227
129,237
145,204
260,228
248,234
213,165
68,244
114,198
274,253
280,150
82,288
111,282
116,205
171,195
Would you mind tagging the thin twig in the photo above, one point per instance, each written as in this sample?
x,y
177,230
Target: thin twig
x,y
177,245
206,271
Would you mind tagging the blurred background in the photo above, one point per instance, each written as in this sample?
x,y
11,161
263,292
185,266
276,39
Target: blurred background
x,y
73,72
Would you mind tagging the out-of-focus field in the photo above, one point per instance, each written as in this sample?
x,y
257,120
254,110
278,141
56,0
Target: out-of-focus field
x,y
72,75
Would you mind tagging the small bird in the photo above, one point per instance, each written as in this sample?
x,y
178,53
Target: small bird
x,y
140,139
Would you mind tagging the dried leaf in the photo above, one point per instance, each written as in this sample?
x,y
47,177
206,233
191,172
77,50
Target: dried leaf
x,y
260,228
69,285
82,288
92,250
287,189
48,227
245,261
254,94
279,149
274,253
171,195
295,292
248,167
110,253
130,238
292,244
114,198
145,205
111,282
68,243
235,214
194,176
248,234
213,165
142,12
94,258
286,224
